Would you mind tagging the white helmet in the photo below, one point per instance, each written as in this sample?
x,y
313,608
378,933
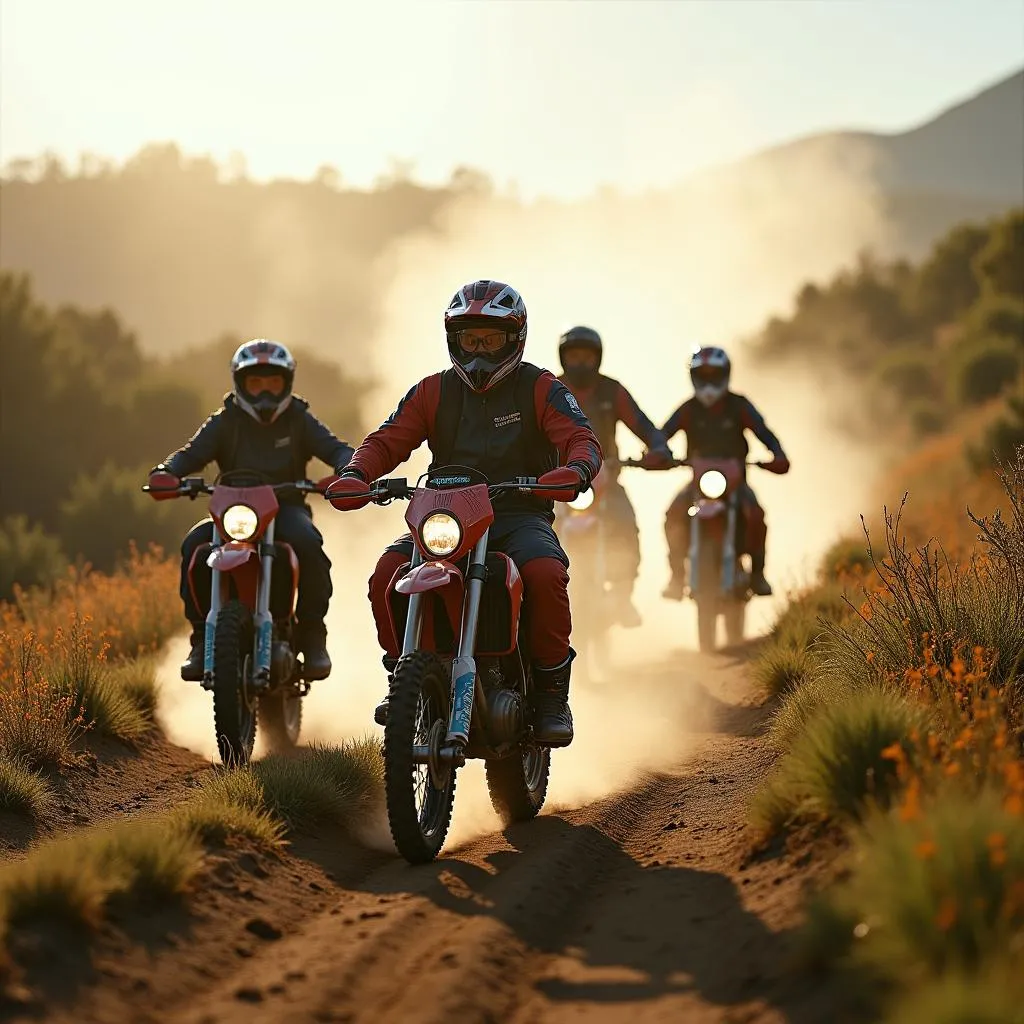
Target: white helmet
x,y
262,358
709,373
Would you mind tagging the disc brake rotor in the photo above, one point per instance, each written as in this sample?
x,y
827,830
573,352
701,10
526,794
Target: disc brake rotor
x,y
439,769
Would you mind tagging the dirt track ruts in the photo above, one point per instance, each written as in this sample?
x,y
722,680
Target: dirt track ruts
x,y
643,906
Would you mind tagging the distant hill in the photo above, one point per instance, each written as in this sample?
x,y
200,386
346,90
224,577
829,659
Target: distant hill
x,y
967,163
183,254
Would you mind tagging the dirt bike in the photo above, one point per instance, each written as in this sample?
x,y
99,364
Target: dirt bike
x,y
716,578
251,663
463,686
581,528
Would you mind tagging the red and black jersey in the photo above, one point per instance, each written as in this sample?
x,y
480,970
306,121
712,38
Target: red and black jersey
x,y
718,431
606,403
524,426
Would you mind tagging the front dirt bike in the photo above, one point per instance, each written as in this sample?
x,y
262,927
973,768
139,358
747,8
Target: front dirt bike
x,y
463,686
250,663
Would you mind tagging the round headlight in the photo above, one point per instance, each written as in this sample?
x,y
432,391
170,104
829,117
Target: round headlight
x,y
441,534
240,522
582,501
712,484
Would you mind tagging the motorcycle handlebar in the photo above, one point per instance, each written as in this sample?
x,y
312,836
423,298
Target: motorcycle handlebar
x,y
192,486
383,491
681,462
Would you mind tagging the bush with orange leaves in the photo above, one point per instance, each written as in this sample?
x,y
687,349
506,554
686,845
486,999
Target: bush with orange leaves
x,y
132,611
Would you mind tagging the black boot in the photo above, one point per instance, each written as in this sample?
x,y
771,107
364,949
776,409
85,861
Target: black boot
x,y
676,589
192,667
553,718
758,584
312,641
380,712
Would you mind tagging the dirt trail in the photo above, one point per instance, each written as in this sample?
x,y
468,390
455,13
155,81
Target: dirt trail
x,y
644,906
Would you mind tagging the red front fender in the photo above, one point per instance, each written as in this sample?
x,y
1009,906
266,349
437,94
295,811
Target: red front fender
x,y
428,576
230,556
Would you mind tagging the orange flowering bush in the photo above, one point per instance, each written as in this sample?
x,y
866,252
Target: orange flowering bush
x,y
39,721
132,611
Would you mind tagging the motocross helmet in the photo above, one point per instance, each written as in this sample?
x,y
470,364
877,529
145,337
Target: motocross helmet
x,y
580,338
254,362
709,372
485,306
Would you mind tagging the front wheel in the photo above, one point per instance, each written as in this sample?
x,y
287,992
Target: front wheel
x,y
419,797
234,701
709,575
735,620
518,784
281,719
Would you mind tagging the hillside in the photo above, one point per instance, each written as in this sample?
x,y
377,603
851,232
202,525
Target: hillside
x,y
184,251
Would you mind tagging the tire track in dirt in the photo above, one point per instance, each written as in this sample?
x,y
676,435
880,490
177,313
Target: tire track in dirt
x,y
642,905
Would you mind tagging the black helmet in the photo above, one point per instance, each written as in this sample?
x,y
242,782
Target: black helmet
x,y
585,338
263,358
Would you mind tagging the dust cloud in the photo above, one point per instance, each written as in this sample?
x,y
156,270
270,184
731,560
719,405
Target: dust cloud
x,y
656,276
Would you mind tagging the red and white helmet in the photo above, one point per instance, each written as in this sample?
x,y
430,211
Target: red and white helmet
x,y
262,358
709,373
491,304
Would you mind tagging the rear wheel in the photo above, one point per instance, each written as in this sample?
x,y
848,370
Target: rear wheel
x,y
281,719
518,784
234,699
419,796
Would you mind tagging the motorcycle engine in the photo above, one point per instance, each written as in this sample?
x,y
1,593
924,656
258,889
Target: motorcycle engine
x,y
282,661
507,712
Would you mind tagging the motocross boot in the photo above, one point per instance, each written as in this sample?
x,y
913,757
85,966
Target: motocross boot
x,y
380,712
312,642
553,718
192,666
758,584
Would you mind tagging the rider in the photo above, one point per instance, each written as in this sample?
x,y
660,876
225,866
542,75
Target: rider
x,y
606,403
265,428
504,418
714,421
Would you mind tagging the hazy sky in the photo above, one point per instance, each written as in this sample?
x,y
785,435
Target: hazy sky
x,y
558,95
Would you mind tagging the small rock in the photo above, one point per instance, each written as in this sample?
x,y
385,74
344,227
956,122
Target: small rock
x,y
249,995
263,929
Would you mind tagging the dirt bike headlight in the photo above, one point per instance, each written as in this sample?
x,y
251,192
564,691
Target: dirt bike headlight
x,y
240,522
441,534
712,484
582,501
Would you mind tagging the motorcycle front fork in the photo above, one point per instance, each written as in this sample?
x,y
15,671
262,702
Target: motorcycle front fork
x,y
263,621
728,576
467,688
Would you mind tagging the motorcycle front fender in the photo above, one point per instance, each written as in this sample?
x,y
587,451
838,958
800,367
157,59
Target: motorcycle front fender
x,y
428,576
230,556
707,508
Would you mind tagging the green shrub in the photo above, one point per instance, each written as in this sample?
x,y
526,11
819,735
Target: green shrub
x,y
838,767
983,367
22,791
29,556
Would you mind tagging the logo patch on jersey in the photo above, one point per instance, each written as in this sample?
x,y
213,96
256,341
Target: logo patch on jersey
x,y
283,442
507,419
570,400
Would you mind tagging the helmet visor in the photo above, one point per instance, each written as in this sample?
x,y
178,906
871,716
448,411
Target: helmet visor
x,y
577,358
256,384
715,375
485,341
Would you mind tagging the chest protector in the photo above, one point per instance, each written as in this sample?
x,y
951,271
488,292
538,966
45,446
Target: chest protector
x,y
496,433
598,406
717,434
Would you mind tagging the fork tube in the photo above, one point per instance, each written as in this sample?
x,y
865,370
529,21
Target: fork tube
x,y
211,616
264,620
464,675
694,580
729,550
414,615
